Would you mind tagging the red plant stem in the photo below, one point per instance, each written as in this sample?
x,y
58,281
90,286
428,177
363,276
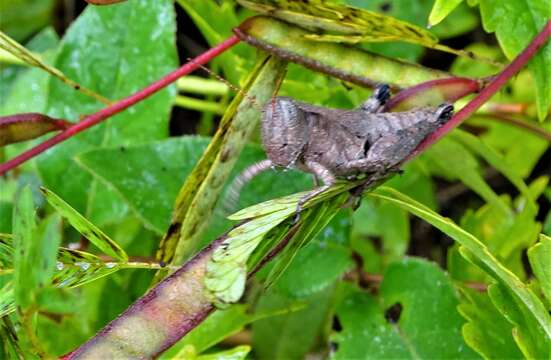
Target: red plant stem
x,y
121,105
493,87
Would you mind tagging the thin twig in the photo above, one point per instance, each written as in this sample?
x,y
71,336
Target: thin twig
x,y
119,106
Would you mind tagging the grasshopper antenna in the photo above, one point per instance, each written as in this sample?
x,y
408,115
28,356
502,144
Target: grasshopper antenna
x,y
232,195
252,99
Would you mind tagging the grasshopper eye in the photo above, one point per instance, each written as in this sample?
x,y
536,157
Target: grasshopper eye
x,y
382,93
444,112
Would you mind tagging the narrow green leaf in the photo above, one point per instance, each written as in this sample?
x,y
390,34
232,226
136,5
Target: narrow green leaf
x,y
86,228
20,52
441,9
495,159
25,255
540,260
465,167
237,353
7,296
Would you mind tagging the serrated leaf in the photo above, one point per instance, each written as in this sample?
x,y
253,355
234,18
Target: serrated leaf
x,y
441,9
477,253
226,271
539,256
530,337
516,23
86,228
309,226
487,330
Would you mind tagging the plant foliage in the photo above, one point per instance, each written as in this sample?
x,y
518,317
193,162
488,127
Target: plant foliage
x,y
449,259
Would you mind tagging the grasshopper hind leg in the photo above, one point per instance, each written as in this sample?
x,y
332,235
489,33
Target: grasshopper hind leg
x,y
234,190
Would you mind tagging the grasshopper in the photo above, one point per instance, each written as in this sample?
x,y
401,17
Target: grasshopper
x,y
339,144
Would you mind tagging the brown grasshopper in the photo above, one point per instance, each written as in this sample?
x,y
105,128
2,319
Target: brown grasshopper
x,y
336,143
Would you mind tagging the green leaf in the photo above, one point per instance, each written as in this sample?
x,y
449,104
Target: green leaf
x,y
521,159
309,225
540,258
86,228
21,18
399,323
297,332
487,331
115,51
147,176
319,263
477,253
390,223
441,9
516,23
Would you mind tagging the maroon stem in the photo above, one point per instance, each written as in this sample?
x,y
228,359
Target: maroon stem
x,y
514,67
121,105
